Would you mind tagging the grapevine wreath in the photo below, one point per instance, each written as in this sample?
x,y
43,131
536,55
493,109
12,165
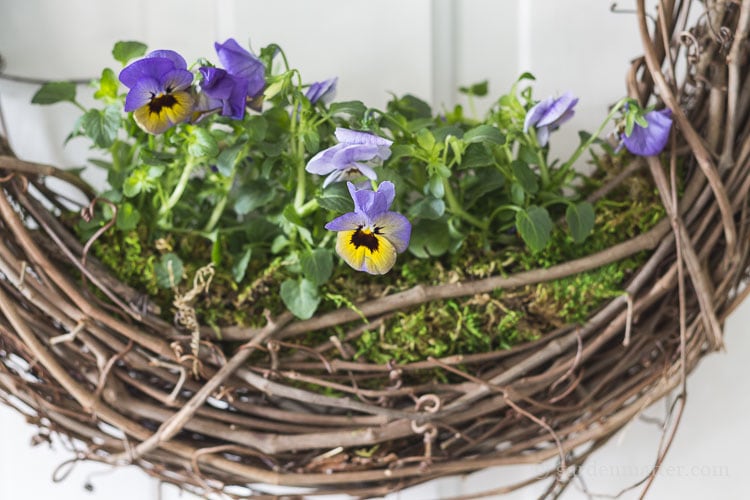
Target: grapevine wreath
x,y
277,288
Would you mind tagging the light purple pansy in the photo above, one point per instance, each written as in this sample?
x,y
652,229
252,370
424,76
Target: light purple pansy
x,y
322,91
159,93
549,114
370,237
355,155
651,140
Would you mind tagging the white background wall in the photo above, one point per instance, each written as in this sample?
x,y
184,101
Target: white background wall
x,y
423,47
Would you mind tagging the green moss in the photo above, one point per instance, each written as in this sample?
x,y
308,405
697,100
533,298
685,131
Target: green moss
x,y
498,320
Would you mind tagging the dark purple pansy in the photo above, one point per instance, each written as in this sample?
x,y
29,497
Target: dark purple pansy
x,y
242,64
224,90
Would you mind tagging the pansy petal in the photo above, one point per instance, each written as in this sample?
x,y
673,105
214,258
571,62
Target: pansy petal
x,y
240,62
178,62
176,79
357,137
156,119
395,228
536,113
347,222
335,176
322,163
181,109
377,257
558,108
365,200
142,92
148,67
388,190
351,153
565,117
651,140
322,91
366,170
215,82
542,136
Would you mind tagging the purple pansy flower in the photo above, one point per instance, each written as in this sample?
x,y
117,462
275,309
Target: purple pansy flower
x,y
224,91
229,88
370,237
549,114
159,95
355,155
651,140
322,91
242,64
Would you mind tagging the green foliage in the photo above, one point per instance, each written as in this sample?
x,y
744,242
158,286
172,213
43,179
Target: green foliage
x,y
54,92
534,225
125,51
235,193
300,296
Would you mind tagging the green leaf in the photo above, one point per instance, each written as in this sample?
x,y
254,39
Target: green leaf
x,y
101,125
517,194
477,155
125,51
534,225
168,271
484,134
108,85
411,107
356,109
54,92
311,140
336,198
484,181
227,159
301,297
399,151
580,217
127,217
478,89
426,140
290,214
525,176
431,238
202,144
256,127
255,194
427,208
317,265
240,267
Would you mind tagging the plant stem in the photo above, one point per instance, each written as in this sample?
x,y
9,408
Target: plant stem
x,y
560,174
216,214
308,208
180,188
456,209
